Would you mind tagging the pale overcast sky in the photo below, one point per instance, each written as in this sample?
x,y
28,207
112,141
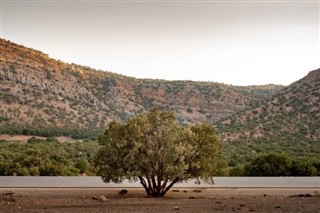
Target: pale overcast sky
x,y
234,42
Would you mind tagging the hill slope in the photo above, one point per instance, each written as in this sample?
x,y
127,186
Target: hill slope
x,y
289,121
40,95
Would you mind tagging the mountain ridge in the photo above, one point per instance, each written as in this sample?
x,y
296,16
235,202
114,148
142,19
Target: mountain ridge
x,y
289,121
39,92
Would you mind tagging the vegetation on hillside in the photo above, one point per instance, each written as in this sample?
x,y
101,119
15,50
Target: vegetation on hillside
x,y
45,97
289,121
38,94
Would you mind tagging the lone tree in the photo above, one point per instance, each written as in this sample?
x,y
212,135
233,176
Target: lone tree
x,y
154,149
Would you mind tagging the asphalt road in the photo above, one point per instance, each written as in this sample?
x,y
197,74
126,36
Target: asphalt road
x,y
94,181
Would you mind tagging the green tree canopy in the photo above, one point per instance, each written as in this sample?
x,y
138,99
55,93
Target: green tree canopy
x,y
271,164
304,167
154,149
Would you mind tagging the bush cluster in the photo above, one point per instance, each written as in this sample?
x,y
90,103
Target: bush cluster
x,y
46,157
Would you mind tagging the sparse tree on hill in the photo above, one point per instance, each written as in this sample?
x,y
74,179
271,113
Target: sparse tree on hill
x,y
154,149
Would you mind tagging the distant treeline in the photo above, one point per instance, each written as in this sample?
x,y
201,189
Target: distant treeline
x,y
48,157
75,133
278,164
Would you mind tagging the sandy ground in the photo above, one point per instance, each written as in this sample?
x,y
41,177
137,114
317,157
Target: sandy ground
x,y
177,200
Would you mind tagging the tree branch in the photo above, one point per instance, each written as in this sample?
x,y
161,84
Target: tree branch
x,y
144,184
154,186
149,186
164,185
171,184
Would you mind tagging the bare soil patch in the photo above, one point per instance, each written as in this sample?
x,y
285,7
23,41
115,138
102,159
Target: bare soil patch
x,y
25,138
177,200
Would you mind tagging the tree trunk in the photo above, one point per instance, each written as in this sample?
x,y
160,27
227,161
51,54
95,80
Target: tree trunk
x,y
156,188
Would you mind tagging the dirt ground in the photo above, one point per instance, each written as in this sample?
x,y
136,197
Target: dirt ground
x,y
25,138
177,200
